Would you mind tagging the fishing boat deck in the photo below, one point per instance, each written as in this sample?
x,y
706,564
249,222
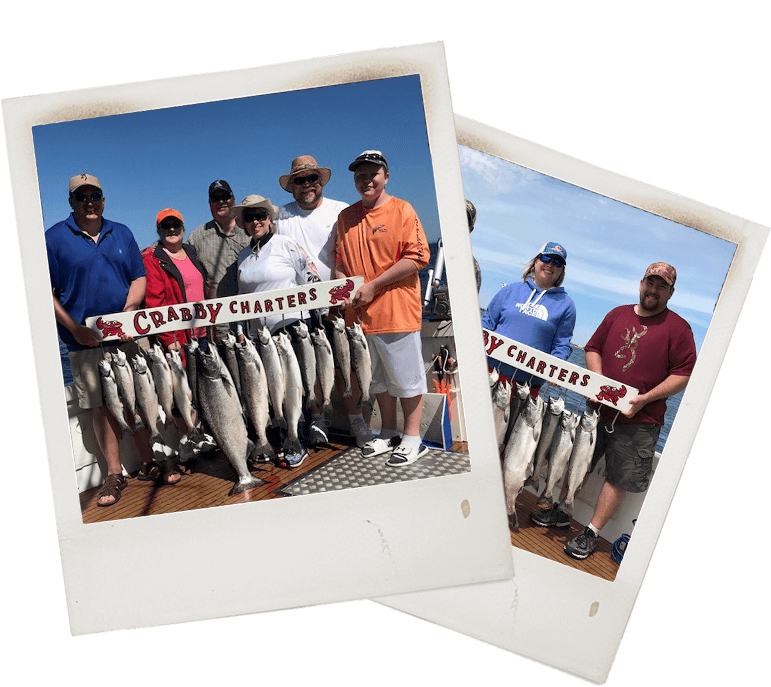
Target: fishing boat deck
x,y
206,482
550,542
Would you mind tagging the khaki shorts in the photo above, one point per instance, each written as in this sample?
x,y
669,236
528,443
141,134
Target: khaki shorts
x,y
397,364
85,370
628,453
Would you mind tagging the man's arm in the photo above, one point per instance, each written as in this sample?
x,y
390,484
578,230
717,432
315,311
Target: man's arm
x,y
367,292
136,294
83,335
670,386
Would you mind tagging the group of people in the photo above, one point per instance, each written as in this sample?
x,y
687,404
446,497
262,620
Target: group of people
x,y
96,268
645,345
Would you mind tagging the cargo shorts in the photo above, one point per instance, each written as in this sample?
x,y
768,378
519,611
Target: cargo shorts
x,y
629,452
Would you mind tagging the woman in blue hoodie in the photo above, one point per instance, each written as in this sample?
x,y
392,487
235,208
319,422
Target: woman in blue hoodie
x,y
536,312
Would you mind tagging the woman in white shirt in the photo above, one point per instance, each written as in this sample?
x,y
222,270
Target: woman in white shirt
x,y
271,261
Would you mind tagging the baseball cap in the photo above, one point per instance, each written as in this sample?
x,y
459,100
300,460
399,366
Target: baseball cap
x,y
168,212
219,185
663,270
553,248
84,179
369,156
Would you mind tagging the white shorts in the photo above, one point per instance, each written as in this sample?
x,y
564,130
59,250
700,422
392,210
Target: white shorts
x,y
397,364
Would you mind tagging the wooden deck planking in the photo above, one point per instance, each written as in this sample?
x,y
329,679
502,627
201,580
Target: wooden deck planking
x,y
549,542
209,480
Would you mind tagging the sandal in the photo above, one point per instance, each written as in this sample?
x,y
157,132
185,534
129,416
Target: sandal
x,y
152,472
113,486
378,446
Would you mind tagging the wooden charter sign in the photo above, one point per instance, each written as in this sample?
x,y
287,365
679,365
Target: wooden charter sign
x,y
560,372
169,318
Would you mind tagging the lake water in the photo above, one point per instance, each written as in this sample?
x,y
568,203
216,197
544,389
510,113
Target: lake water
x,y
576,402
573,401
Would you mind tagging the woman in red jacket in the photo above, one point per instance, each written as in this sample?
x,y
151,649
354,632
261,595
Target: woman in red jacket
x,y
174,275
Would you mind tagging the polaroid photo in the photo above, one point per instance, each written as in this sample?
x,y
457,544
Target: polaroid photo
x,y
611,239
212,513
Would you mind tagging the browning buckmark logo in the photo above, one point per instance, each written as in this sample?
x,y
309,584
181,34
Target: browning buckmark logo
x,y
631,339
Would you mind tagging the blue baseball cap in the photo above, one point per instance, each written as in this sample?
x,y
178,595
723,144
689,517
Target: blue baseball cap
x,y
552,248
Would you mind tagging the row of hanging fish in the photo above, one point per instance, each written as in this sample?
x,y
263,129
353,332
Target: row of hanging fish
x,y
536,434
264,382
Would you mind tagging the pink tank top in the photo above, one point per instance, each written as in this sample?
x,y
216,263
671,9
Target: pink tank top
x,y
193,281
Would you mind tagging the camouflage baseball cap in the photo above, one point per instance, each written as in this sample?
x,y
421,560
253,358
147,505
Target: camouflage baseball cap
x,y
663,270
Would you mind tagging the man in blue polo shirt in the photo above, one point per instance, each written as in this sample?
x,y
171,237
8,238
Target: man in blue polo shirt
x,y
96,269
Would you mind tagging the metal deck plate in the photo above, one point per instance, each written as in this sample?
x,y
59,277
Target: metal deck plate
x,y
351,469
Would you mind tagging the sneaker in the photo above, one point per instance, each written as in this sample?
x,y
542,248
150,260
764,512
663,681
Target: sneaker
x,y
550,517
206,444
582,546
295,460
317,433
186,450
404,455
361,432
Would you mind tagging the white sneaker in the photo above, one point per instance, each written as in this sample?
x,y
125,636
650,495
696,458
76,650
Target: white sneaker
x,y
404,455
360,431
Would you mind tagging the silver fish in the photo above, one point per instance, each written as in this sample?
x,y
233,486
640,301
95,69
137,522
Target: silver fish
x,y
190,368
493,377
342,353
147,398
293,395
111,396
501,393
306,357
581,455
254,387
273,373
228,355
164,385
361,363
551,419
559,455
183,397
325,366
519,395
221,408
520,449
125,380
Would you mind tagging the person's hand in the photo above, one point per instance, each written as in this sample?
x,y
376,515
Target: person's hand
x,y
635,405
240,338
364,296
85,336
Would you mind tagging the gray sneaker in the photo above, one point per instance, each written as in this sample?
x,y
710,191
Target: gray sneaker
x,y
550,517
583,545
360,431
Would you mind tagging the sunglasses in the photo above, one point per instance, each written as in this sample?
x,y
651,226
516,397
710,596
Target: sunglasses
x,y
255,215
219,197
95,197
310,179
553,259
169,226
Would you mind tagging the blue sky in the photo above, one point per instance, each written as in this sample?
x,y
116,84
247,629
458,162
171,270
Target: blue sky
x,y
609,244
163,158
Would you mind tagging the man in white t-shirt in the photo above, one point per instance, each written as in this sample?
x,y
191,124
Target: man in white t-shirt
x,y
311,220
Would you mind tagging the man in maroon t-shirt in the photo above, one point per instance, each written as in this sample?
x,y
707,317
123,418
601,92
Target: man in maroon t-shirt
x,y
649,347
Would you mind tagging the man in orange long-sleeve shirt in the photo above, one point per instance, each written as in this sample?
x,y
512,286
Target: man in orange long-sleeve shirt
x,y
381,239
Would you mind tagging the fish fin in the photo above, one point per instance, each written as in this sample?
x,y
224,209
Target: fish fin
x,y
292,446
240,486
263,450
